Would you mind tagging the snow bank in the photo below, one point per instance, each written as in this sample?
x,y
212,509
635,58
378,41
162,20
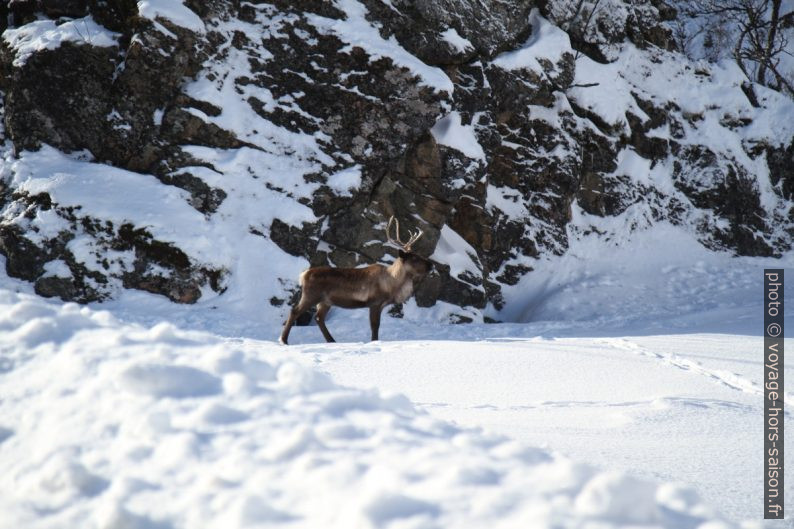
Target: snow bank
x,y
458,43
109,425
450,132
116,195
460,256
172,10
545,42
49,35
345,181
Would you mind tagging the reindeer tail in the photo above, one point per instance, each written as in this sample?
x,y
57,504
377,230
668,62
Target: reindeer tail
x,y
302,277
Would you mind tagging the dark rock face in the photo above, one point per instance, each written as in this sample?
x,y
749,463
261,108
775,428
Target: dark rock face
x,y
47,103
313,103
116,15
781,170
781,176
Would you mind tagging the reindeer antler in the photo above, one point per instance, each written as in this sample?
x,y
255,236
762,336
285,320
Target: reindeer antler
x,y
413,236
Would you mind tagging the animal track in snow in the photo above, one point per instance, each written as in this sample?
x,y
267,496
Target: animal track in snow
x,y
732,380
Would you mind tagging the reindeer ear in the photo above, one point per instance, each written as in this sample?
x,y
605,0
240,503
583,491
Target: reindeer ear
x,y
403,255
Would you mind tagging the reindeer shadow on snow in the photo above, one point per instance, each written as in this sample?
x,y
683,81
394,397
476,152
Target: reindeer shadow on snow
x,y
374,286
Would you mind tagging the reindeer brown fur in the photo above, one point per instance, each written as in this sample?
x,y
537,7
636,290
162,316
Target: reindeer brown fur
x,y
373,286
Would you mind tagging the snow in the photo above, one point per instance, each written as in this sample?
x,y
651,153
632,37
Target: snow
x,y
450,132
506,200
57,268
454,251
345,181
643,171
627,404
640,356
713,37
663,273
701,89
225,240
357,32
637,355
174,11
774,120
546,41
283,156
49,35
707,94
611,96
120,196
457,42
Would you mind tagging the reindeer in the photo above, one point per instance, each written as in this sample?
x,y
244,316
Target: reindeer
x,y
373,286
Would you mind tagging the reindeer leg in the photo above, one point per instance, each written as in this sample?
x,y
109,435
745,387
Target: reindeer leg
x,y
296,311
322,310
374,320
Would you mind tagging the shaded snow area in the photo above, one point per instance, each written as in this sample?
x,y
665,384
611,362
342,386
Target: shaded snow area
x,y
110,425
659,280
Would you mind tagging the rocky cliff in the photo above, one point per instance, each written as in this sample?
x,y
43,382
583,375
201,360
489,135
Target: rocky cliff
x,y
211,150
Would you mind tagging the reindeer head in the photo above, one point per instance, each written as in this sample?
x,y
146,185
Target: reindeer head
x,y
415,265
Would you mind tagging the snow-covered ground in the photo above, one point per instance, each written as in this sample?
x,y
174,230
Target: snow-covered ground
x,y
111,425
642,355
685,408
625,398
